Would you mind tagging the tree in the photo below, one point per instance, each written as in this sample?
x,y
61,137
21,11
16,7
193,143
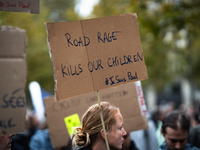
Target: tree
x,y
169,36
39,64
179,20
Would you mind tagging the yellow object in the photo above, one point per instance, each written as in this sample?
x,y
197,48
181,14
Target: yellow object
x,y
71,122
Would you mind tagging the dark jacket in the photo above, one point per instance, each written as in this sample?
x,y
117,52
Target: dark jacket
x,y
194,136
187,147
133,146
86,148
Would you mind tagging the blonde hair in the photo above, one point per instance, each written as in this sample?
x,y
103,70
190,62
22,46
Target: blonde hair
x,y
91,124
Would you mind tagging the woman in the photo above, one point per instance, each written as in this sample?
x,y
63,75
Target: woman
x,y
91,135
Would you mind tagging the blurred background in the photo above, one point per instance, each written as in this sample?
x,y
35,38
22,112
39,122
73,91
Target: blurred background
x,y
169,32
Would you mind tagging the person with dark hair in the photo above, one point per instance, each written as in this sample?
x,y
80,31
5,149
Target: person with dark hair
x,y
21,140
175,128
194,133
90,135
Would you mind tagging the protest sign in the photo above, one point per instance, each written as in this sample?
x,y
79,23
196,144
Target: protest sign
x,y
94,54
13,79
29,6
124,96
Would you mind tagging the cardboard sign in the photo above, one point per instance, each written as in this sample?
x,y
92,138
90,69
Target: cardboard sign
x,y
29,6
124,96
95,54
13,79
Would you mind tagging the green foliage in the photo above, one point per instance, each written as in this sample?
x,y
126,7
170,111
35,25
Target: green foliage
x,y
111,7
162,26
39,64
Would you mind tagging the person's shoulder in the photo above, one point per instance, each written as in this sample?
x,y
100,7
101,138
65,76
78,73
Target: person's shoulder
x,y
163,146
40,136
191,147
41,132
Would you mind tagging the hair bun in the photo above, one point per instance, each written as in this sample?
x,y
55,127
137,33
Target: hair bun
x,y
80,138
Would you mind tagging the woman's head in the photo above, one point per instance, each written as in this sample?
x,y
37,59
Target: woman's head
x,y
92,126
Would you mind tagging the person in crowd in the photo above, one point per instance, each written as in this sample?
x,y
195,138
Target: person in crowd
x,y
41,139
192,113
90,136
21,140
175,128
128,144
145,139
5,141
194,133
158,115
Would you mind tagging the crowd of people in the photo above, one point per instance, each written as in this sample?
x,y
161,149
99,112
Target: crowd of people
x,y
169,129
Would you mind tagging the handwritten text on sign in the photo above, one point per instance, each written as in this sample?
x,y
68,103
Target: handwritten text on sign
x,y
13,101
68,70
19,4
95,54
31,6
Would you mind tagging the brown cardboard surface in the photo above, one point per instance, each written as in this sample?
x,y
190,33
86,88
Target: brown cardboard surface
x,y
8,49
29,6
13,79
95,54
124,96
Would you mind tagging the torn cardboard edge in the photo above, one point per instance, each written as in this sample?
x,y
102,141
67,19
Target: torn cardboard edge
x,y
51,57
65,87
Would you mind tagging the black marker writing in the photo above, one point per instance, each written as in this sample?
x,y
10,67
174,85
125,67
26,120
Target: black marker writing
x,y
5,124
93,65
116,61
85,41
13,101
130,77
138,57
110,81
114,80
107,37
71,71
126,59
119,79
